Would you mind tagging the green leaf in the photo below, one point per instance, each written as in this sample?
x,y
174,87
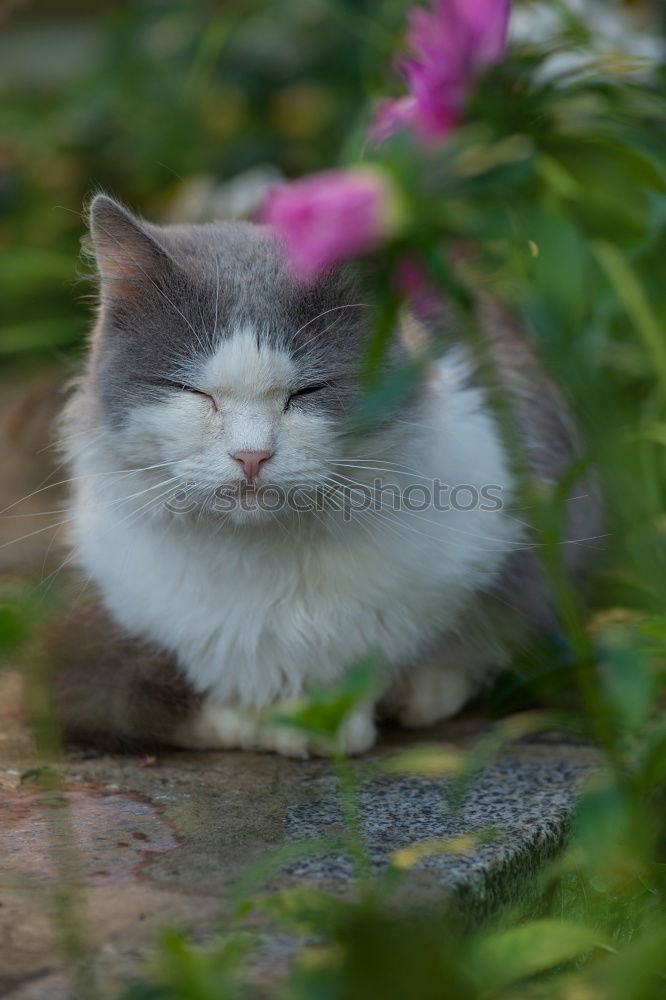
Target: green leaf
x,y
609,183
15,626
626,679
509,956
188,971
428,761
638,972
603,819
147,991
654,432
558,177
306,910
271,862
653,758
322,714
631,294
384,395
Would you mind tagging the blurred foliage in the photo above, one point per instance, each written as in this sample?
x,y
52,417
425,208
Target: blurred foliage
x,y
561,188
157,90
16,623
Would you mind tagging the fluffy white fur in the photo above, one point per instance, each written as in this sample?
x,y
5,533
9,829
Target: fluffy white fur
x,y
257,607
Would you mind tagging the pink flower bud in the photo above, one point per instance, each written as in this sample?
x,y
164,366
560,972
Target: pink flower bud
x,y
333,216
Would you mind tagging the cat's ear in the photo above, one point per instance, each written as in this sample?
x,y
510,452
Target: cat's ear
x,y
129,259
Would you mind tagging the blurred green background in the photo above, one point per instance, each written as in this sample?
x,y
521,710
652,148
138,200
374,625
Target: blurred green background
x,y
153,101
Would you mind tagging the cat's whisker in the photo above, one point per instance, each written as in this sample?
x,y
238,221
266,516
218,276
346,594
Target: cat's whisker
x,y
58,524
277,520
67,439
397,470
316,336
422,426
348,305
68,510
479,537
46,581
394,471
208,497
517,520
533,506
360,487
340,534
397,524
51,577
93,441
217,293
333,494
88,475
394,525
583,541
152,504
37,531
328,496
132,496
378,492
35,513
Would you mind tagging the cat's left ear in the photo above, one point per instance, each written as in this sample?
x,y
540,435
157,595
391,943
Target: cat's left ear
x,y
129,259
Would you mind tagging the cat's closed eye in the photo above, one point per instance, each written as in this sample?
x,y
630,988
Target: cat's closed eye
x,y
307,390
166,383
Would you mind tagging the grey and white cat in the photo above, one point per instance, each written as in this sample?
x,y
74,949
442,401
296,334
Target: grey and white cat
x,y
216,386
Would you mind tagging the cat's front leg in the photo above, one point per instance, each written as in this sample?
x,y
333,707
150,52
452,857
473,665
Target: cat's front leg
x,y
233,727
439,686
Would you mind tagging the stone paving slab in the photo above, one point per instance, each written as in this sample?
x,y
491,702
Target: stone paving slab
x,y
164,841
521,809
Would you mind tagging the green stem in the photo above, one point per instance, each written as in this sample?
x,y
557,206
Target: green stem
x,y
632,295
387,315
350,806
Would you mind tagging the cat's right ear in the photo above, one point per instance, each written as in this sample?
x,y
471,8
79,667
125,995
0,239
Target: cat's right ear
x,y
129,259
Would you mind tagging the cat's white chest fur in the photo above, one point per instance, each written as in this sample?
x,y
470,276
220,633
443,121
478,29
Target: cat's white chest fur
x,y
257,615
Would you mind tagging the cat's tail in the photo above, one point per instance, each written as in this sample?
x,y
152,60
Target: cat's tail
x,y
112,691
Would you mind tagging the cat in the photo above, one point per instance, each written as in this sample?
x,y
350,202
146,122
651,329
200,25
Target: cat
x,y
244,543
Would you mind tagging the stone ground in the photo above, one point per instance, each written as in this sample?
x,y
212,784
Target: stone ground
x,y
155,841
163,841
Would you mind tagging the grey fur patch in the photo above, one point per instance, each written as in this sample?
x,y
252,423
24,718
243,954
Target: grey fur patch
x,y
170,295
113,691
550,446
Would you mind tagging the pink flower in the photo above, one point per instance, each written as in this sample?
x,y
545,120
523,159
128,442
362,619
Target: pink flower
x,y
452,43
332,216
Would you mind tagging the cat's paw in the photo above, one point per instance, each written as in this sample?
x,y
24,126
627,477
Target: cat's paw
x,y
428,695
357,734
220,727
224,727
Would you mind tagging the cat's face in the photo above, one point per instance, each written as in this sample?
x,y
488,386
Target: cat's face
x,y
213,365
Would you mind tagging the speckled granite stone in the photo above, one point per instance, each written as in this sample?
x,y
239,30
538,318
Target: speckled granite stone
x,y
523,808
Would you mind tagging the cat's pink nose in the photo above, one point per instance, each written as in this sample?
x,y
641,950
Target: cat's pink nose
x,y
251,461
